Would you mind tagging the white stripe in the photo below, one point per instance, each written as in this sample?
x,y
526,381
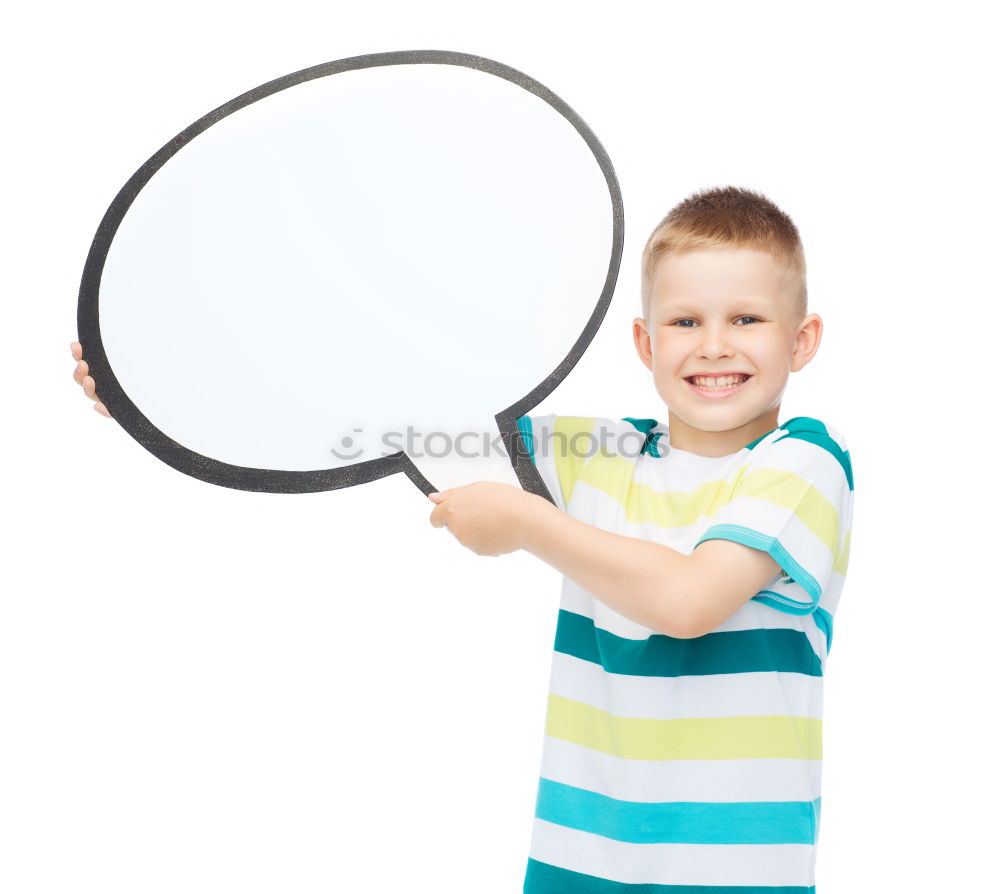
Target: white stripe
x,y
696,695
673,864
831,595
795,455
837,436
757,779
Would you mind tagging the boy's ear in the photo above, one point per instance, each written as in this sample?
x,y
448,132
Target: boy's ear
x,y
807,339
640,334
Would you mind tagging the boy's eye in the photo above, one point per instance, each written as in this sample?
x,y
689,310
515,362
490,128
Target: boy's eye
x,y
681,323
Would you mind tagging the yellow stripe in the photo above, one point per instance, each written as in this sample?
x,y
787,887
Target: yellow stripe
x,y
840,563
613,476
687,738
572,445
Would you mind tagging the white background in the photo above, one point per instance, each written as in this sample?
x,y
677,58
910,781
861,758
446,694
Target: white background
x,y
208,690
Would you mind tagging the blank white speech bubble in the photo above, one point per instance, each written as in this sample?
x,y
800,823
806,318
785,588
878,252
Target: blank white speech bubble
x,y
366,263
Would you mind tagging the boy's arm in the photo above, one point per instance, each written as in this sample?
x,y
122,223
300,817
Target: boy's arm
x,y
680,595
658,587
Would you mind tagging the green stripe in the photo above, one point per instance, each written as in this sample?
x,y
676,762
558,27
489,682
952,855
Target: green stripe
x,y
677,822
643,425
542,878
659,655
646,426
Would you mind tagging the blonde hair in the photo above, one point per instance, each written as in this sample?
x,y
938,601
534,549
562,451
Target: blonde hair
x,y
727,217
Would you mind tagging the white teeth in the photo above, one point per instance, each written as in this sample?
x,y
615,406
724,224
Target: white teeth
x,y
715,382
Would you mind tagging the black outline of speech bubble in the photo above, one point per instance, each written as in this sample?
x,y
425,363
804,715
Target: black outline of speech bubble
x,y
128,415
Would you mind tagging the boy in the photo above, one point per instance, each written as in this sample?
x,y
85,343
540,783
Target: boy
x,y
683,737
683,734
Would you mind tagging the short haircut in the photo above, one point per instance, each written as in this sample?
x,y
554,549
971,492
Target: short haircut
x,y
727,217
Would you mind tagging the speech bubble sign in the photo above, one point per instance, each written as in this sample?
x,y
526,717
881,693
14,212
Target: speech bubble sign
x,y
344,273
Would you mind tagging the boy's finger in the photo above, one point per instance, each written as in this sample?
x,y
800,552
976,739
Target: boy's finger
x,y
90,387
76,349
103,410
438,519
81,370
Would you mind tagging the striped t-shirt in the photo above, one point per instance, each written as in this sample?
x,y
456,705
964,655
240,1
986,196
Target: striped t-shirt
x,y
676,766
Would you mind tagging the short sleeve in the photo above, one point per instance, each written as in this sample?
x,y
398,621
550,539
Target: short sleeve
x,y
793,498
559,446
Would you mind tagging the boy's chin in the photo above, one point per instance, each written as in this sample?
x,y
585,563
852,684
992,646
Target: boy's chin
x,y
713,420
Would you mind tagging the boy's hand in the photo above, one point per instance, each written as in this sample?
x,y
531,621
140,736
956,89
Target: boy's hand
x,y
81,378
488,517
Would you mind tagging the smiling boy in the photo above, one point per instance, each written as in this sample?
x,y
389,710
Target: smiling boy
x,y
701,575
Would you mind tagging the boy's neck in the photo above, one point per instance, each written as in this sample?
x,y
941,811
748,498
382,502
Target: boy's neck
x,y
719,443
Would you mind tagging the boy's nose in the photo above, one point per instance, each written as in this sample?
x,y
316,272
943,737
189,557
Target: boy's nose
x,y
714,343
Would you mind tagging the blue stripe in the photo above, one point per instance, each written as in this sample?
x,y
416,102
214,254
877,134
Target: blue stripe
x,y
677,822
527,435
824,621
543,878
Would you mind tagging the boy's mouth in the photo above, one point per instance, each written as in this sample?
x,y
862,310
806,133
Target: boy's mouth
x,y
717,386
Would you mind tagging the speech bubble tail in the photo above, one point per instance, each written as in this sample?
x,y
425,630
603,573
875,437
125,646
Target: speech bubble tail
x,y
508,461
415,475
522,462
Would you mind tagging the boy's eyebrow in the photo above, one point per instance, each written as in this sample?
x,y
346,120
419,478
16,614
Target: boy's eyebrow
x,y
683,305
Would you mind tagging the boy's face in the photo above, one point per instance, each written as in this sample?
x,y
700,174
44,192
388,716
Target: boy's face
x,y
723,311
